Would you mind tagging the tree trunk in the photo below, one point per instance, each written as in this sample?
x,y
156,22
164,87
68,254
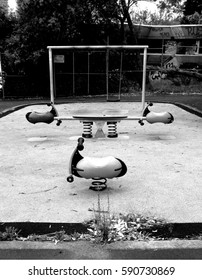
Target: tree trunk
x,y
133,37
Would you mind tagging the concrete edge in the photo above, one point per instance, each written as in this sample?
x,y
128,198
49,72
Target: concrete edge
x,y
16,108
187,108
85,250
124,245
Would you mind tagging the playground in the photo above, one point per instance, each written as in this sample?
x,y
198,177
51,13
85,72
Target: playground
x,y
63,163
163,162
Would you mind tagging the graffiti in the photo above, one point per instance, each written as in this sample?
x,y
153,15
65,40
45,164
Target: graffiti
x,y
164,34
169,65
194,31
160,32
157,76
157,29
177,32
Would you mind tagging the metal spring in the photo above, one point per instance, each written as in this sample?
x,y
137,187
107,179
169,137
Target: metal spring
x,y
87,130
98,184
112,129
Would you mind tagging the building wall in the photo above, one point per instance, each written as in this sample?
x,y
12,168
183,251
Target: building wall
x,y
182,42
172,47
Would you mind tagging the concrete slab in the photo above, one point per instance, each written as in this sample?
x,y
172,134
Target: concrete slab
x,y
164,167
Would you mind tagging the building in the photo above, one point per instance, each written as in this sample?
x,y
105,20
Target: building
x,y
172,45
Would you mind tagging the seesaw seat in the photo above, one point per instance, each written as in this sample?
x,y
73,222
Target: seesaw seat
x,y
95,168
108,167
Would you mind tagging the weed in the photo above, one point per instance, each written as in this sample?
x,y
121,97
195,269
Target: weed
x,y
9,234
105,228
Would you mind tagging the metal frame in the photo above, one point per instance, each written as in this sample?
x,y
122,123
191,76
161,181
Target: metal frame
x,y
107,48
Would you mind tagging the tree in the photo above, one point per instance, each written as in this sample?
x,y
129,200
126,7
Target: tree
x,y
150,18
192,6
57,22
172,6
6,25
169,12
171,9
195,18
42,23
65,22
192,12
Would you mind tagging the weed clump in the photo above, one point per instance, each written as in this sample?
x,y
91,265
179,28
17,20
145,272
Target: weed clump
x,y
9,234
130,227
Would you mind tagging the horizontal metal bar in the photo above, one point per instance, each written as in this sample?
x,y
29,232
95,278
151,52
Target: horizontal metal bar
x,y
65,118
70,118
132,118
100,47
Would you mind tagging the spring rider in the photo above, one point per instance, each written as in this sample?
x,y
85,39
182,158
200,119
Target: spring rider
x,y
153,117
97,169
45,117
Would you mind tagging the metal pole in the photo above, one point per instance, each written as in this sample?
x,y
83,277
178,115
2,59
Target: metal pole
x,y
2,78
120,74
107,73
162,58
88,73
73,74
51,75
144,78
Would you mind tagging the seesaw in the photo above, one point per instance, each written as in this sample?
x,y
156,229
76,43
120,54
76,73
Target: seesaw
x,y
97,169
100,120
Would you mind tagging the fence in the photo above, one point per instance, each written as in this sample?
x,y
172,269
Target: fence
x,y
19,86
82,83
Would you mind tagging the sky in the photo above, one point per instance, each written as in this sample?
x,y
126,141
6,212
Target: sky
x,y
12,4
146,5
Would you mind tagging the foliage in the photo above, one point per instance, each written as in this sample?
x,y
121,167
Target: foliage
x,y
42,23
7,23
195,18
192,6
171,6
147,17
9,234
188,12
169,12
171,9
192,12
58,22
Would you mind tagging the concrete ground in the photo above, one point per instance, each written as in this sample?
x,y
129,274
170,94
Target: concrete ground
x,y
163,180
164,167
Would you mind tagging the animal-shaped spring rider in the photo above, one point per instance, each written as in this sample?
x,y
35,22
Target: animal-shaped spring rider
x,y
44,117
153,117
97,169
